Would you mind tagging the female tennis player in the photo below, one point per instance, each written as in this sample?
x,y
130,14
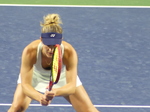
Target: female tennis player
x,y
35,72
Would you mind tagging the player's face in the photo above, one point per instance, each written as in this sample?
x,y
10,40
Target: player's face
x,y
48,50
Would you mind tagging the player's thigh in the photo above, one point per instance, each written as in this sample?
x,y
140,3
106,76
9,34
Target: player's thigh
x,y
81,101
20,101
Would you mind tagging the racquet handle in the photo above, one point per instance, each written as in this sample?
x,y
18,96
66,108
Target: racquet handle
x,y
50,86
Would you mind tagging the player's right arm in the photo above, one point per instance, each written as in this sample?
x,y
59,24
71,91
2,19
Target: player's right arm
x,y
27,62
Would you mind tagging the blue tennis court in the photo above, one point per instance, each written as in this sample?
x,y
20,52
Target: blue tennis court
x,y
113,46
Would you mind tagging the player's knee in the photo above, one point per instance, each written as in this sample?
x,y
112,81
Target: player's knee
x,y
17,108
91,109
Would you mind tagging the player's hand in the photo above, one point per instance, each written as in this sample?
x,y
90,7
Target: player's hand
x,y
49,95
44,101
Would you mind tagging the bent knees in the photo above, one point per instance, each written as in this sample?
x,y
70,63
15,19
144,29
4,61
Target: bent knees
x,y
20,101
20,105
17,108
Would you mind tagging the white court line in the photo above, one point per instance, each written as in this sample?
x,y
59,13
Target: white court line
x,y
94,6
105,106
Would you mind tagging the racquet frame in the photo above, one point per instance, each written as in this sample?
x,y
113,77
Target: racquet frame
x,y
51,83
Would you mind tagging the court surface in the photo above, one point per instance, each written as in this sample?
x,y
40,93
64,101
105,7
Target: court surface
x,y
113,46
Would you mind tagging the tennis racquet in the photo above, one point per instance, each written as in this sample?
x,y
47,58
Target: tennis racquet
x,y
56,66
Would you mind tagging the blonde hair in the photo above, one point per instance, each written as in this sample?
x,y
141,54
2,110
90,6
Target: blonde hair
x,y
51,23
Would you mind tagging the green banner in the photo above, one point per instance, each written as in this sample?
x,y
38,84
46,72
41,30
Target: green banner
x,y
80,2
